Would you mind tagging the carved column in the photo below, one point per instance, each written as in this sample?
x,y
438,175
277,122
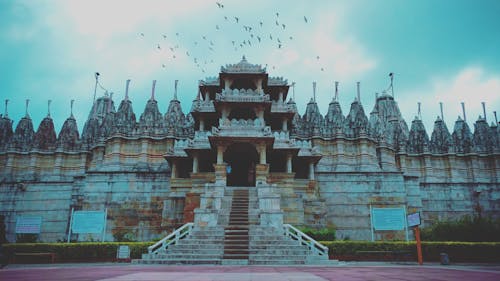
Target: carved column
x,y
311,171
262,154
284,127
288,162
202,124
220,154
195,162
173,170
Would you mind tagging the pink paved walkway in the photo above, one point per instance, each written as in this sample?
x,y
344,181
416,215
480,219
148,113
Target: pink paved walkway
x,y
246,273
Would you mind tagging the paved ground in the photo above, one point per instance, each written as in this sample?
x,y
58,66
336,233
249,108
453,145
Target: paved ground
x,y
343,271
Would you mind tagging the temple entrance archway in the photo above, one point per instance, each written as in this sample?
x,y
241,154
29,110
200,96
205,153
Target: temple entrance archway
x,y
241,159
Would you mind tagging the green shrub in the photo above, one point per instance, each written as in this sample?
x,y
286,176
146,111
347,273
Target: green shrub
x,y
472,229
457,251
80,252
324,234
3,239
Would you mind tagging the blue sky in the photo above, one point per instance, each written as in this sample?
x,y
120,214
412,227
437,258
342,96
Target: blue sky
x,y
440,51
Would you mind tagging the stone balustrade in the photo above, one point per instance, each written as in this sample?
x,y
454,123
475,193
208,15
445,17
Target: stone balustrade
x,y
282,107
242,95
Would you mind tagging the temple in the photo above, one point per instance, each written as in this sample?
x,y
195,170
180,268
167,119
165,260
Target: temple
x,y
243,132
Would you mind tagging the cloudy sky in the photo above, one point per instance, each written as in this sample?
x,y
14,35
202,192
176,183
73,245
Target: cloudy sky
x,y
440,51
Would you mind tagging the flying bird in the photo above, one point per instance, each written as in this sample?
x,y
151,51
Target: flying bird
x,y
258,38
277,14
220,5
317,57
164,36
283,25
177,34
217,27
159,48
291,38
305,19
163,65
236,19
187,53
261,23
225,17
142,34
279,46
277,23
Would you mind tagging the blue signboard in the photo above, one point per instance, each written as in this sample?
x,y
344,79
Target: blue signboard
x,y
88,222
414,219
28,224
388,218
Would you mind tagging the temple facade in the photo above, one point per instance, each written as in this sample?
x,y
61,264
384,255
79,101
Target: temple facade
x,y
244,130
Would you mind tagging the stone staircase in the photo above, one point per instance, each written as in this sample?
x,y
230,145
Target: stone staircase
x,y
236,233
241,240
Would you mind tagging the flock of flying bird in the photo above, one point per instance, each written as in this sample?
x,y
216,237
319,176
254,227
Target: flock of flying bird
x,y
252,36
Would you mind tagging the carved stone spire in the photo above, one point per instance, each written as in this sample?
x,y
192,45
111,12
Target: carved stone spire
x,y
461,137
334,119
69,138
151,121
125,119
5,130
418,140
356,121
23,136
440,139
45,137
312,119
482,139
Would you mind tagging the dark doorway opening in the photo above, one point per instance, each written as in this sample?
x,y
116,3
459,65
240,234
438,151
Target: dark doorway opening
x,y
241,159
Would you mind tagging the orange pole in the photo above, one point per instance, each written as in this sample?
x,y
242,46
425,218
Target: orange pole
x,y
419,245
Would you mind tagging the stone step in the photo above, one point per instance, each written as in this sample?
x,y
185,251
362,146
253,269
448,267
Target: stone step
x,y
257,257
180,261
275,262
174,256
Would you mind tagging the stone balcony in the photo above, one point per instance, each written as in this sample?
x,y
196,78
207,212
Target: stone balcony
x,y
282,107
242,128
203,106
242,95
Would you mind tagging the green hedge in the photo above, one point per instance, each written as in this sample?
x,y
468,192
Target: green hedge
x,y
457,251
78,252
323,234
468,228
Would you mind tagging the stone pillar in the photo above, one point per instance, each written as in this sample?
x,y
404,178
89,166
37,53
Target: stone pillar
x,y
284,127
202,124
288,162
311,171
173,170
262,154
195,162
259,85
220,154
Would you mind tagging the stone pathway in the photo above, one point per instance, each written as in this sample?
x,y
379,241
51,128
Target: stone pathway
x,y
120,272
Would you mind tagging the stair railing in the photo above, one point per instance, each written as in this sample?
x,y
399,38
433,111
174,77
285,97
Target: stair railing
x,y
305,239
172,238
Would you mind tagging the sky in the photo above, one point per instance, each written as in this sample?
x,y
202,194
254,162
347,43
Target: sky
x,y
439,51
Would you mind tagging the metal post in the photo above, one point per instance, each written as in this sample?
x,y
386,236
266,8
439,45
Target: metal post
x,y
406,224
463,110
484,111
70,223
371,223
105,223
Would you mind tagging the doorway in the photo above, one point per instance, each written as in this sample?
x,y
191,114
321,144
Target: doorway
x,y
241,159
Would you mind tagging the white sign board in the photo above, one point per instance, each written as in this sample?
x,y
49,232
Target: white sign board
x,y
388,218
123,252
88,222
28,224
413,219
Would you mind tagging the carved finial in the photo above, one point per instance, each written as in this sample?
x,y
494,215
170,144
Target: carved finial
x,y
336,98
243,58
6,111
126,89
293,90
463,111
441,108
48,107
175,87
358,91
419,111
496,119
27,103
314,91
484,111
71,107
153,90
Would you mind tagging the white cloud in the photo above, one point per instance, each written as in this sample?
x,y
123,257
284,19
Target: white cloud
x,y
471,85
